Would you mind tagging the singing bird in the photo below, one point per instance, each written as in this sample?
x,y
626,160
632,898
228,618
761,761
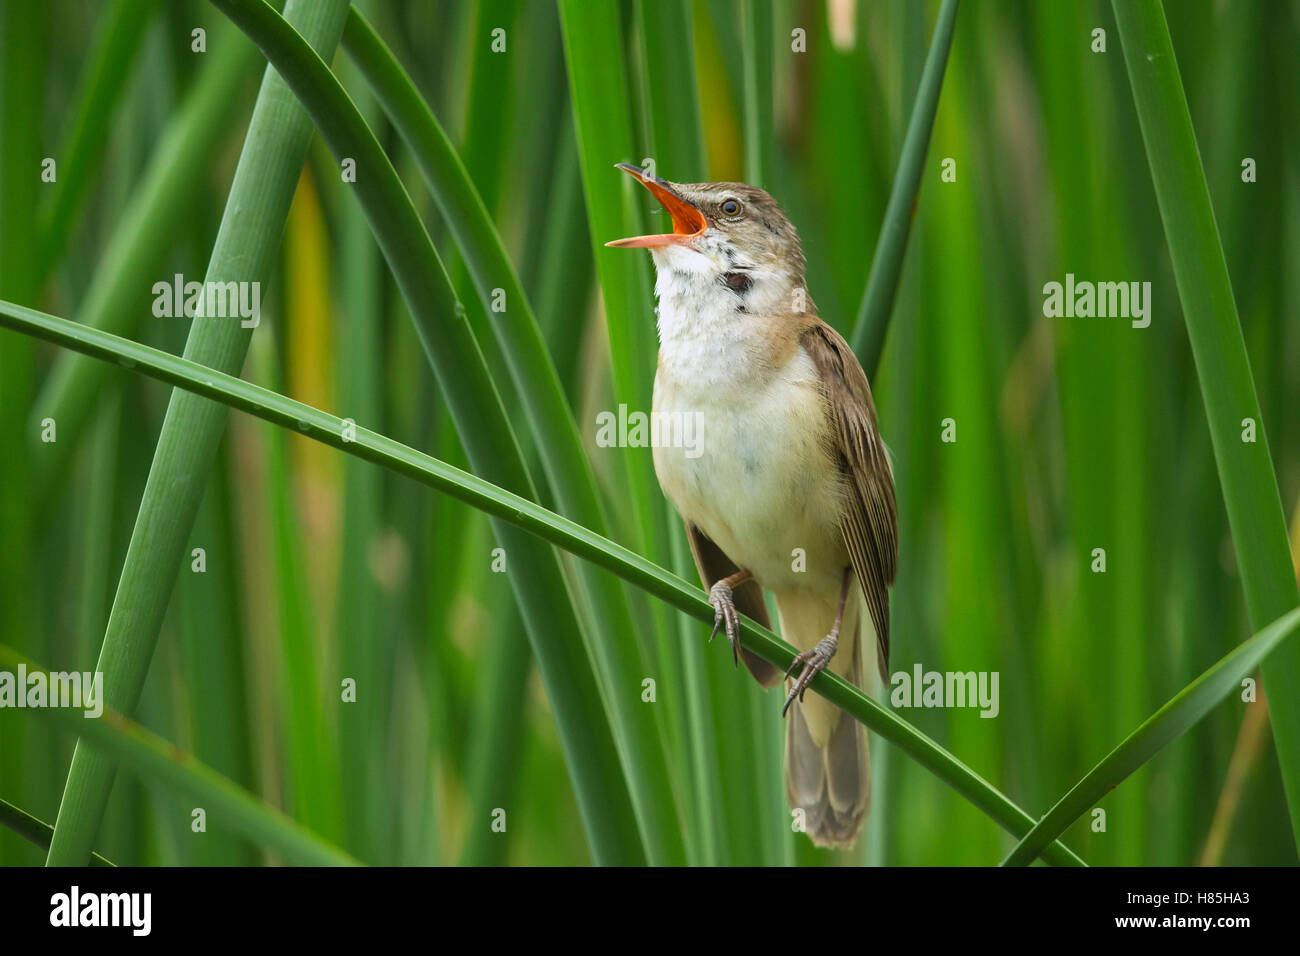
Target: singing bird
x,y
791,488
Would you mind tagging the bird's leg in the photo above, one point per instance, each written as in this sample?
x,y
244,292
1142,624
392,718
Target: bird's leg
x,y
820,654
724,610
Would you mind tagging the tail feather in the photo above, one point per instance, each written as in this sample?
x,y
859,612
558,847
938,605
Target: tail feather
x,y
831,784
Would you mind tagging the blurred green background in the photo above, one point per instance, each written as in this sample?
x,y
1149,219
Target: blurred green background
x,y
1072,434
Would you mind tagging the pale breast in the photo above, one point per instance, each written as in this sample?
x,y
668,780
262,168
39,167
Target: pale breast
x,y
762,483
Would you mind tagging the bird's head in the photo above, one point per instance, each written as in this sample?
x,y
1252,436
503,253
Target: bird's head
x,y
730,235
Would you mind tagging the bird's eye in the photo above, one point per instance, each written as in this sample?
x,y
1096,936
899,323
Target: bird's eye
x,y
731,207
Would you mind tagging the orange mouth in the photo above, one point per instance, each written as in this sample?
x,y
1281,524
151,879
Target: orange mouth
x,y
688,222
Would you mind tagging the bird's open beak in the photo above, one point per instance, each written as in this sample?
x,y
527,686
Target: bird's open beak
x,y
688,222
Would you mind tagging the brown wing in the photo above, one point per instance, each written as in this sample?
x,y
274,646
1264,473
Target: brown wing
x,y
870,520
713,566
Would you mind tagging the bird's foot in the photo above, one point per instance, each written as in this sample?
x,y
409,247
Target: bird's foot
x,y
813,660
725,616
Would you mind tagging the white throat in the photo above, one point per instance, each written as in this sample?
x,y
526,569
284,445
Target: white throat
x,y
694,305
705,325
702,324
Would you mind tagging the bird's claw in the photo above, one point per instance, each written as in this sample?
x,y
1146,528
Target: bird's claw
x,y
813,660
726,617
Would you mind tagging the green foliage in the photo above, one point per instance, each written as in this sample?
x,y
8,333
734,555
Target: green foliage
x,y
568,709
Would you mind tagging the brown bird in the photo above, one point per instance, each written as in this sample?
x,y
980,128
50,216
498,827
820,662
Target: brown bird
x,y
791,488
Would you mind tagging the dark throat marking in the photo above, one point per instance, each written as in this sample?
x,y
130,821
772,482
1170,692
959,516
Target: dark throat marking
x,y
737,282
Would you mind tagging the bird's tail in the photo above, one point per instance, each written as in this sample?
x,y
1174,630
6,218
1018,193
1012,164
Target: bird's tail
x,y
830,782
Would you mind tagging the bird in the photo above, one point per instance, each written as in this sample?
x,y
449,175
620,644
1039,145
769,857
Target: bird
x,y
791,489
